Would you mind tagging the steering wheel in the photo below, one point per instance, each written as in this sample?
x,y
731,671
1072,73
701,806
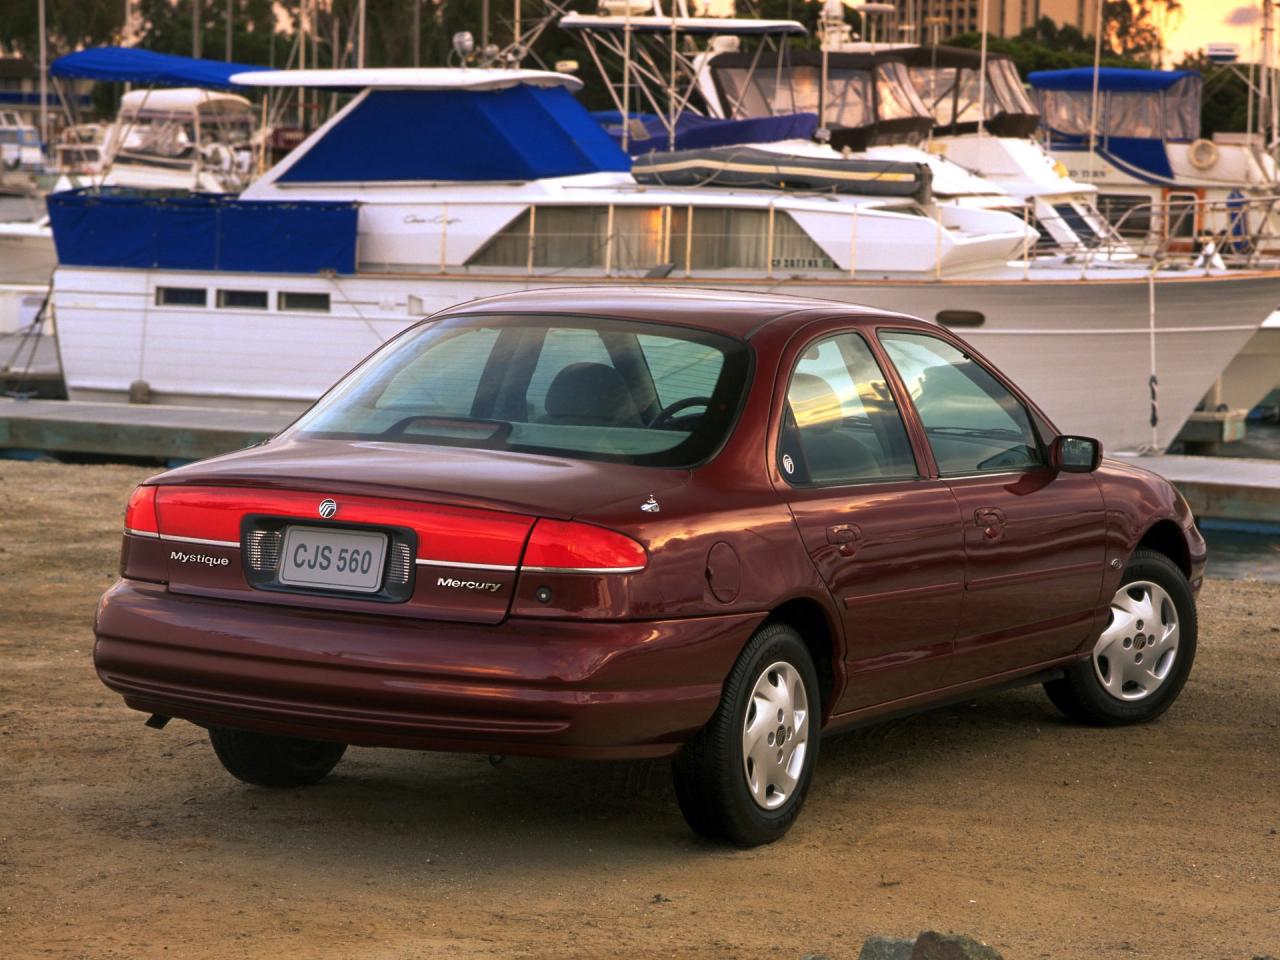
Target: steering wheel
x,y
667,413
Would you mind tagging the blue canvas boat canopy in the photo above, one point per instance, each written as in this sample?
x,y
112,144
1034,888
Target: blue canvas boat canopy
x,y
132,65
176,230
1139,111
518,133
1125,79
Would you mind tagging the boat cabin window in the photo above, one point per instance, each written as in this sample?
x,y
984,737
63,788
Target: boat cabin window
x,y
181,296
696,238
951,93
1172,113
767,92
855,96
249,299
311,302
1129,213
895,93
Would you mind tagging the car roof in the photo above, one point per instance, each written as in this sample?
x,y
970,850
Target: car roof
x,y
732,312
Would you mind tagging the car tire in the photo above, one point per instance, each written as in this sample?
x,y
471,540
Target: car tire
x,y
267,761
724,793
1112,687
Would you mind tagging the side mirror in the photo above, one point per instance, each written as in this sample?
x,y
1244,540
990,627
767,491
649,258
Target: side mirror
x,y
1075,454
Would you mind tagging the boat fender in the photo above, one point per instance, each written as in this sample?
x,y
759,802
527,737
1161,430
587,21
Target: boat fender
x,y
1203,154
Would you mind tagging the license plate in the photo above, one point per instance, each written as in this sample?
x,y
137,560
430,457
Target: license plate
x,y
333,559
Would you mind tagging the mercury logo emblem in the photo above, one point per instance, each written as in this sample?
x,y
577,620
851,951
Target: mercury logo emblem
x,y
328,508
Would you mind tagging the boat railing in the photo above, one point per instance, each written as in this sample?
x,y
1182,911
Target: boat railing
x,y
1238,232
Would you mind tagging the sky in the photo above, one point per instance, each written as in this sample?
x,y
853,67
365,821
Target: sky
x,y
1215,21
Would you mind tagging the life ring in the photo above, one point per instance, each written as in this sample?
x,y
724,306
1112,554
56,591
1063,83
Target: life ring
x,y
1203,154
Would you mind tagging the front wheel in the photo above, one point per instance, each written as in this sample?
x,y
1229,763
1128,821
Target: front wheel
x,y
1144,655
268,761
744,776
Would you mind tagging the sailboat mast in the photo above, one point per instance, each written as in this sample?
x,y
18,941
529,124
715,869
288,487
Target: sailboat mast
x,y
44,76
1267,104
982,72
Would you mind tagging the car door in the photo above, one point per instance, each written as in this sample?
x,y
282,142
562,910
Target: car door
x,y
886,540
1034,537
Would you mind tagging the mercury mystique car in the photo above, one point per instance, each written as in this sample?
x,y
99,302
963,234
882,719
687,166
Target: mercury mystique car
x,y
620,523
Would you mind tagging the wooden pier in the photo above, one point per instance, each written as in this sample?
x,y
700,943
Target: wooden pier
x,y
162,432
1232,492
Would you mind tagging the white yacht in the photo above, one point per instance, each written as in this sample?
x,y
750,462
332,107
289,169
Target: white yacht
x,y
435,186
1158,180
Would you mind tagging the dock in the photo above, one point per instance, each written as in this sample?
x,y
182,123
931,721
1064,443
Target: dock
x,y
1231,493
166,433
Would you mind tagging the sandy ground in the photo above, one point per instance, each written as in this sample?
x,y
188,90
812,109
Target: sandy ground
x,y
995,818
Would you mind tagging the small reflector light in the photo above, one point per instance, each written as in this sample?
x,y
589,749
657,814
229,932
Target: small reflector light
x,y
140,514
559,547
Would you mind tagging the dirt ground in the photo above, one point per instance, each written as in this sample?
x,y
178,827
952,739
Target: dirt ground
x,y
995,818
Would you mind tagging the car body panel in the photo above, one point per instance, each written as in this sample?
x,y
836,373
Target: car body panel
x,y
922,606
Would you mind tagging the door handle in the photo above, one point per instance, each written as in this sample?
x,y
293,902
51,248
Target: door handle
x,y
991,520
845,536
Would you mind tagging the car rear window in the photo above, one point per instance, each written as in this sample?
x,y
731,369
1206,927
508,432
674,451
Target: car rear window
x,y
600,389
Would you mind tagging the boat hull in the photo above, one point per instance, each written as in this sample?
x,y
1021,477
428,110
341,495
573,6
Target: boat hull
x,y
1083,349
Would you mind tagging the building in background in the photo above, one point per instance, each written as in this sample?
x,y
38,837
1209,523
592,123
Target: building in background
x,y
1007,18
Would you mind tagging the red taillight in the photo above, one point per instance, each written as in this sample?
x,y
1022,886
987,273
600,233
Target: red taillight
x,y
140,514
557,546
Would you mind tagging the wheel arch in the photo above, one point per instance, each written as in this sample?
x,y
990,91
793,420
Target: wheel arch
x,y
813,621
1165,537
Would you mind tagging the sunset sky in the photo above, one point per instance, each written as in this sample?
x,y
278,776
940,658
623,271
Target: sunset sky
x,y
1214,21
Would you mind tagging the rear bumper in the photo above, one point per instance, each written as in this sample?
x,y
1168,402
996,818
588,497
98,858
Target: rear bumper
x,y
550,688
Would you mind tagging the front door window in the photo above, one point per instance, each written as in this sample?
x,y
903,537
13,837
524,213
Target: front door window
x,y
974,424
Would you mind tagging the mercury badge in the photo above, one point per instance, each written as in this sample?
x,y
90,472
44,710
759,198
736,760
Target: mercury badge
x,y
328,508
650,505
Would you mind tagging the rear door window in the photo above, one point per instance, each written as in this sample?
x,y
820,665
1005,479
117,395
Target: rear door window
x,y
841,424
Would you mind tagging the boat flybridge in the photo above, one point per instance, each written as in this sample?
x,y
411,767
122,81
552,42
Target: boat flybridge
x,y
866,101
762,97
1159,181
435,186
181,138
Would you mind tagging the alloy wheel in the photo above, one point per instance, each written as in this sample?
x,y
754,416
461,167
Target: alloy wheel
x,y
775,735
1136,652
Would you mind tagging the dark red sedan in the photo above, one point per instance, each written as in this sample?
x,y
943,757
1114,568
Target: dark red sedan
x,y
648,523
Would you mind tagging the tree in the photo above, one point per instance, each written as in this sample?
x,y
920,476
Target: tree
x,y
72,24
1130,29
1225,98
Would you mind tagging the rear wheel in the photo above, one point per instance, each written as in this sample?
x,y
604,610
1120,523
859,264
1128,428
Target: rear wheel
x,y
268,761
1144,655
744,776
